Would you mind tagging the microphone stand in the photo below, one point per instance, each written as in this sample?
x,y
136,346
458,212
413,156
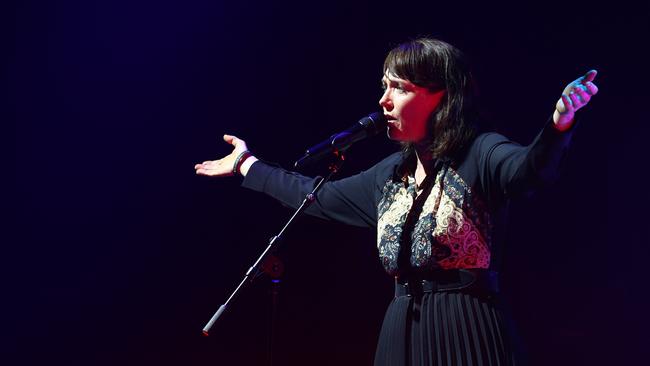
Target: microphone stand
x,y
253,271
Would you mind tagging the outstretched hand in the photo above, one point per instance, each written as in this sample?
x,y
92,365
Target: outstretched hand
x,y
575,96
223,167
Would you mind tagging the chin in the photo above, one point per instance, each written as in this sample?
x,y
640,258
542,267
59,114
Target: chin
x,y
393,137
395,134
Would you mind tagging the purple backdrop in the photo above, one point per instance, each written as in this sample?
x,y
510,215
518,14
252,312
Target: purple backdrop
x,y
120,254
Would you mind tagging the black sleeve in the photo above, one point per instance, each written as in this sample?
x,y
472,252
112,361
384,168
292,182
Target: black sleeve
x,y
351,200
509,170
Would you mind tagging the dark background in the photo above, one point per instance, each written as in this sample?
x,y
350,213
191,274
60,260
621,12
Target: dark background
x,y
119,254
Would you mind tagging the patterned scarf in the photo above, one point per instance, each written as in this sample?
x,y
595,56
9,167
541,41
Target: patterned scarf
x,y
447,226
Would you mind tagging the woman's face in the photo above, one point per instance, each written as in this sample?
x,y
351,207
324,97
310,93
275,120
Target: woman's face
x,y
407,108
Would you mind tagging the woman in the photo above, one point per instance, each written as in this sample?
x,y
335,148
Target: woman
x,y
438,205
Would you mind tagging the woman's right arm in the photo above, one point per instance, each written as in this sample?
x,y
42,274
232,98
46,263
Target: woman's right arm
x,y
351,200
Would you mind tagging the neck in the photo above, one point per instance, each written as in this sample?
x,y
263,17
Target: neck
x,y
424,157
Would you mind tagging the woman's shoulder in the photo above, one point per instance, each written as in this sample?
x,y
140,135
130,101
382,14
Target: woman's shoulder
x,y
488,138
484,142
386,167
393,159
478,148
389,163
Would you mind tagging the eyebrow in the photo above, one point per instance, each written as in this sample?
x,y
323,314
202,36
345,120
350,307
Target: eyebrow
x,y
401,83
387,80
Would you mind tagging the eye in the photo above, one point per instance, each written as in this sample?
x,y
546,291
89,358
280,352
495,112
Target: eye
x,y
399,88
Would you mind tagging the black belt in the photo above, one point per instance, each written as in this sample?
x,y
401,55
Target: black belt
x,y
475,280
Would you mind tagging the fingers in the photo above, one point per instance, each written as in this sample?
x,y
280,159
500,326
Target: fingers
x,y
229,139
206,164
214,168
202,169
575,101
578,96
591,88
587,82
235,141
581,91
589,76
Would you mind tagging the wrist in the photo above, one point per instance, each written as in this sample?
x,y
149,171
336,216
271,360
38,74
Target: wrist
x,y
239,160
246,165
560,124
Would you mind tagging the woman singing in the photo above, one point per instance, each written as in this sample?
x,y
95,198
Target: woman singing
x,y
438,205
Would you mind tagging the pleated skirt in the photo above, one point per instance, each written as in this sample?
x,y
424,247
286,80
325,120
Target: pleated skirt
x,y
446,328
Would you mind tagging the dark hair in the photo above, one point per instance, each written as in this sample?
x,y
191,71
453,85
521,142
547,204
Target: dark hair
x,y
437,65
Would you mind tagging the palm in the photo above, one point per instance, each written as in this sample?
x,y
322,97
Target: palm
x,y
224,166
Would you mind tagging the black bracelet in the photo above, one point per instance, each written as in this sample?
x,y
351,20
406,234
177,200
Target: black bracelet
x,y
240,160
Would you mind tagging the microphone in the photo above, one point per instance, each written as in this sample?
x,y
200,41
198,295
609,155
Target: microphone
x,y
366,127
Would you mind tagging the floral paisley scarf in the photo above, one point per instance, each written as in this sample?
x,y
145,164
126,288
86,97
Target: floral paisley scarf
x,y
449,226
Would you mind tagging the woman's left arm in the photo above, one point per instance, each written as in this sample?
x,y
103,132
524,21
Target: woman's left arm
x,y
508,169
575,96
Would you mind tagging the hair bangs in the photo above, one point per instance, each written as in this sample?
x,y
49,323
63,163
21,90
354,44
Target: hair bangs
x,y
412,61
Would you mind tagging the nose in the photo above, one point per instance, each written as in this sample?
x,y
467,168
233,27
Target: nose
x,y
385,101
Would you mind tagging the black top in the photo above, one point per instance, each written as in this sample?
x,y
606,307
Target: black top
x,y
458,219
